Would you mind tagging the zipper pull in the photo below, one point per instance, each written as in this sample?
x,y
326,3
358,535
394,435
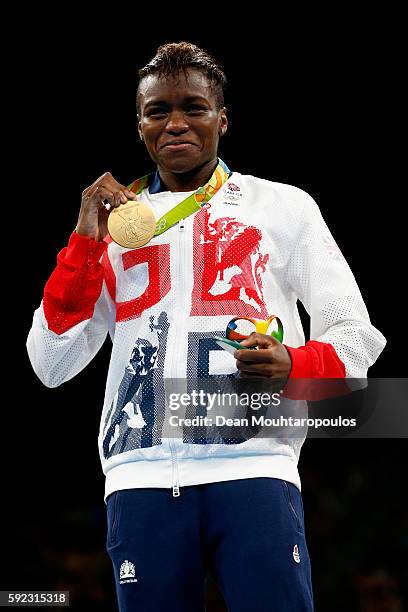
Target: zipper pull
x,y
181,225
176,491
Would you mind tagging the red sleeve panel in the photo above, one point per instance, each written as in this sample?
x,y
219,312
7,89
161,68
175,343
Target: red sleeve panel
x,y
75,285
315,360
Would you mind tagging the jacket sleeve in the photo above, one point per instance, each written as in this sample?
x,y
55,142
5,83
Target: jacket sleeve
x,y
343,342
75,314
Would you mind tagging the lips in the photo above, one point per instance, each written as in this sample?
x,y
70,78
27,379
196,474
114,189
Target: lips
x,y
176,143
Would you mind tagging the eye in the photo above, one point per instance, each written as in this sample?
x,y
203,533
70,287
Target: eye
x,y
195,109
156,112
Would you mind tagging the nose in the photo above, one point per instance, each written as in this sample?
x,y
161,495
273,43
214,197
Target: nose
x,y
176,123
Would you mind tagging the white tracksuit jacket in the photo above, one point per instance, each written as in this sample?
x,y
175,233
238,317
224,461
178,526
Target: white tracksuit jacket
x,y
254,250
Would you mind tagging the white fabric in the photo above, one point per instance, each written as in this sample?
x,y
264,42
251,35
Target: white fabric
x,y
296,257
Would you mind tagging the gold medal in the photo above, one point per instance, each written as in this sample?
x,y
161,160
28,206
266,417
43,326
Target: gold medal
x,y
132,225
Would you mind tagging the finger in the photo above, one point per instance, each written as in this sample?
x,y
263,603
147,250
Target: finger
x,y
108,181
250,341
260,340
104,178
114,185
125,193
101,193
123,198
129,194
261,368
251,356
117,196
243,374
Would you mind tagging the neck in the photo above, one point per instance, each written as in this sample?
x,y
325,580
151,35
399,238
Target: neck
x,y
187,181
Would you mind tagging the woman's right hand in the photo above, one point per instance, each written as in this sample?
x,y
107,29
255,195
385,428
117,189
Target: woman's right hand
x,y
93,215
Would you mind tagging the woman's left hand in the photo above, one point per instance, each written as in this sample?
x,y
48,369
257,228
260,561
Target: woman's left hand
x,y
272,360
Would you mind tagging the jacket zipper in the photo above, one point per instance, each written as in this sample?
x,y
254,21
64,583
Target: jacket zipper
x,y
175,474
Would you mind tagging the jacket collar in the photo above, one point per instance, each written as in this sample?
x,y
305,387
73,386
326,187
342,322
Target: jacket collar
x,y
157,185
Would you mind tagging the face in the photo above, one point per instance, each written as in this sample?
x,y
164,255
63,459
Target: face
x,y
179,120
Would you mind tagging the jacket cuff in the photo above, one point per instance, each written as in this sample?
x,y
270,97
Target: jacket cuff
x,y
316,360
302,363
82,250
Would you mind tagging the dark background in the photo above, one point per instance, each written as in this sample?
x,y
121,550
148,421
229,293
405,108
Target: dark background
x,y
310,105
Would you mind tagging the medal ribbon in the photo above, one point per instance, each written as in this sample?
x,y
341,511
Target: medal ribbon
x,y
192,203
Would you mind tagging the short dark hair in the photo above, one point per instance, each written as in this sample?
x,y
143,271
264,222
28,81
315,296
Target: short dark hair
x,y
172,58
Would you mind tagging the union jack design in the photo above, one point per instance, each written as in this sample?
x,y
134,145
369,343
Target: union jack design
x,y
332,248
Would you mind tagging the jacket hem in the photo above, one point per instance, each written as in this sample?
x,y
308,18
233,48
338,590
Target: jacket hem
x,y
195,471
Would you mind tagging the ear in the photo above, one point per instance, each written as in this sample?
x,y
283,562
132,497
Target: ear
x,y
223,122
139,128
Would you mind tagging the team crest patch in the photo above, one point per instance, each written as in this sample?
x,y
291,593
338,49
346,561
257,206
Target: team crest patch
x,y
296,555
127,572
232,193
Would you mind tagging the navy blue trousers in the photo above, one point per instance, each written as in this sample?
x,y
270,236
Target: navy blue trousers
x,y
249,534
